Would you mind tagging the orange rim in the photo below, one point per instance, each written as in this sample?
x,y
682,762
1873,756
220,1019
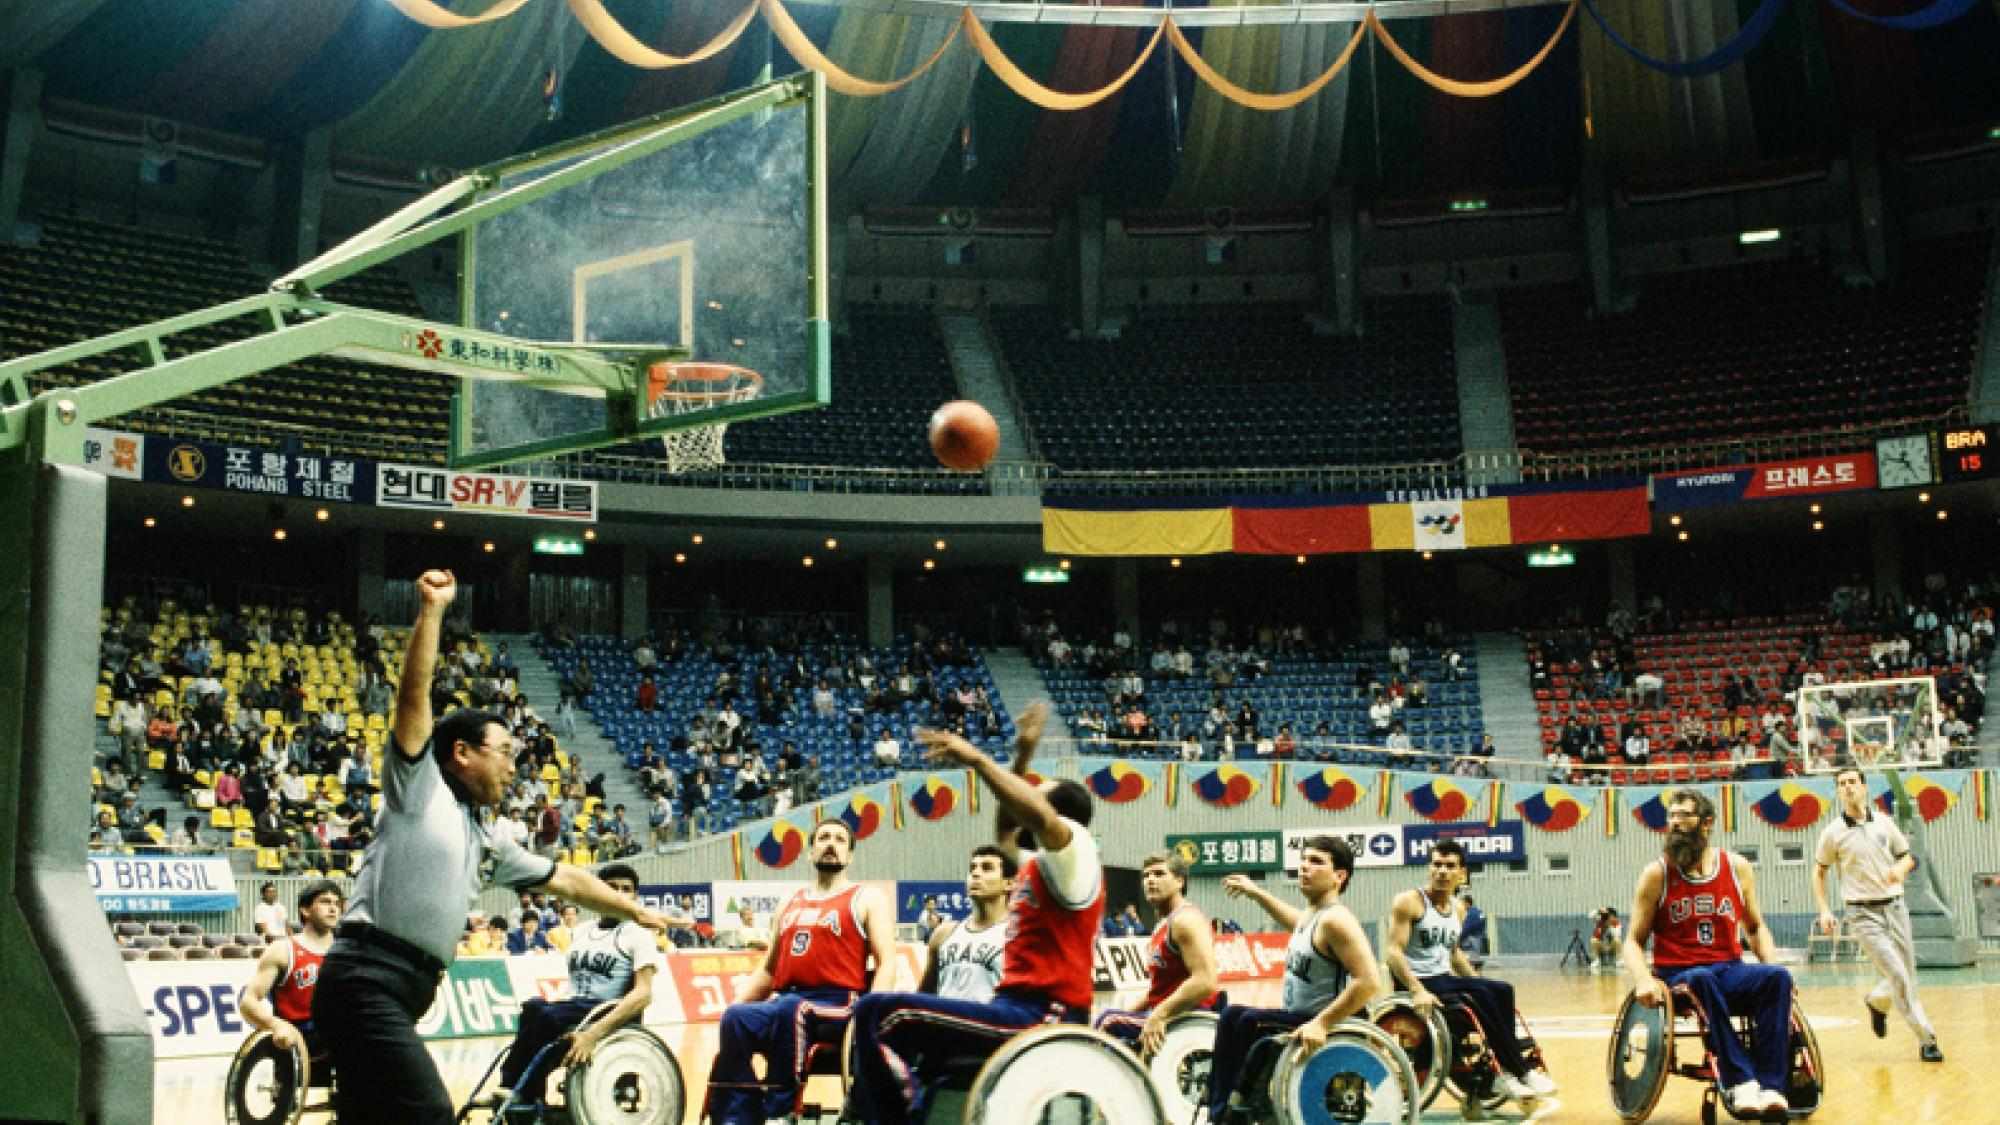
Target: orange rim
x,y
702,383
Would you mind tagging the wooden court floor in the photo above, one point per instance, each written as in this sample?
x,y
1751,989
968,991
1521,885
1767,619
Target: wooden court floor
x,y
1870,1081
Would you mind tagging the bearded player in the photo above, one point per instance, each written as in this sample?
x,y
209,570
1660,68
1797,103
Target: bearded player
x,y
1181,962
817,966
1696,905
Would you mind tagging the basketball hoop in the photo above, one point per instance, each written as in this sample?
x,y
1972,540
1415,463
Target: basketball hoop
x,y
675,389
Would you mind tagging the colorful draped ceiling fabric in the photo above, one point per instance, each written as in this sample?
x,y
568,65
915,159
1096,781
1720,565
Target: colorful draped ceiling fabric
x,y
1498,516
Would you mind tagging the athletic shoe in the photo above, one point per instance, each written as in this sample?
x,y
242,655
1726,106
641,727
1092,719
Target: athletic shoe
x,y
1514,1088
1930,1053
1775,1101
1540,1082
1878,1020
1747,1098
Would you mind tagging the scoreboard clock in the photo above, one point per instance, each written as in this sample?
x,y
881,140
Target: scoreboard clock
x,y
1969,453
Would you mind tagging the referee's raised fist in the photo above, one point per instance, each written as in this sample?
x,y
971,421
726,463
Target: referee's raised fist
x,y
437,588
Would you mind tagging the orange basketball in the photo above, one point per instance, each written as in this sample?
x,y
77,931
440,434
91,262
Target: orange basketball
x,y
964,436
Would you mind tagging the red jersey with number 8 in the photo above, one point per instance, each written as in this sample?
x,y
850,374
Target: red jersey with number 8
x,y
820,943
1698,921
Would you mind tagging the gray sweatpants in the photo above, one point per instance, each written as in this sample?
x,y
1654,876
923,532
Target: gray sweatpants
x,y
1884,932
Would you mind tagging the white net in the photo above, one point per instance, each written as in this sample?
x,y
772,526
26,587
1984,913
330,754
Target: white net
x,y
1872,723
692,389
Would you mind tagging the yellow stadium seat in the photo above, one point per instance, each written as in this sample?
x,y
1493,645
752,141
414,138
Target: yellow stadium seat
x,y
156,759
244,820
591,804
97,777
551,773
273,718
221,818
374,722
268,859
156,834
107,809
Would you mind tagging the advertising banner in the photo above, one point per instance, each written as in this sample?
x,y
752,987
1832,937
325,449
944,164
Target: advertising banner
x,y
114,453
1504,842
949,894
143,884
658,895
1766,480
1219,853
486,494
1122,964
1375,845
244,468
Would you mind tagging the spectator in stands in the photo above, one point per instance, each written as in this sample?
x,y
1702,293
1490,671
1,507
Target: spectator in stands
x,y
806,783
748,934
127,724
1649,690
1284,746
1486,748
695,796
528,938
564,931
887,753
648,698
1472,932
1560,765
1638,748
161,729
1381,716
292,789
1417,693
1398,742
292,692
660,819
270,830
822,699
620,830
269,918
229,786
580,682
188,837
644,655
1593,744
180,770
1399,657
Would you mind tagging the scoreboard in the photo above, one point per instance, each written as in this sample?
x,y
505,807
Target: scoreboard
x,y
1968,453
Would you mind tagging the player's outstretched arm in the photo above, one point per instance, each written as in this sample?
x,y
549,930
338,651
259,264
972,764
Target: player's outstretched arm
x,y
585,889
1022,803
1243,886
1651,992
412,726
1028,728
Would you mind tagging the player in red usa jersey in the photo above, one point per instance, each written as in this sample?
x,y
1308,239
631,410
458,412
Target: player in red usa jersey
x,y
279,997
1697,905
817,966
1052,920
1182,958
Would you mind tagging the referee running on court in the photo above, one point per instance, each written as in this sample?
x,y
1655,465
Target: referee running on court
x,y
1874,860
429,859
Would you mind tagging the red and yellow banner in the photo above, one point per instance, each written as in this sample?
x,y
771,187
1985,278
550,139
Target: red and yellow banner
x,y
1499,516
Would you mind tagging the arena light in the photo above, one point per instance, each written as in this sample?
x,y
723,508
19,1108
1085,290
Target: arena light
x,y
1819,525
1553,555
1299,559
590,535
1175,563
279,534
489,546
1036,575
680,556
1675,520
833,544
151,522
1063,564
930,564
1942,514
1683,536
187,501
1755,237
437,525
940,545
322,515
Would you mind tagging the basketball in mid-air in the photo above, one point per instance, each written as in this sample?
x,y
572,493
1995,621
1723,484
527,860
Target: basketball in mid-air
x,y
963,435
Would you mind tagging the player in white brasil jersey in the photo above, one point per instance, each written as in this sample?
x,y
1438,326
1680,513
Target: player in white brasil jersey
x,y
965,958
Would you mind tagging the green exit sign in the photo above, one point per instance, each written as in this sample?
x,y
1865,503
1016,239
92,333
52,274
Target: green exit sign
x,y
1551,556
557,545
1045,575
1462,206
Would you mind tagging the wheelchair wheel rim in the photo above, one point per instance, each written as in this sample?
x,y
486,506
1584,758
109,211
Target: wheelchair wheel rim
x,y
1180,1068
1641,1054
1472,1071
266,1085
1360,1076
631,1079
1806,1044
1067,1062
1425,1041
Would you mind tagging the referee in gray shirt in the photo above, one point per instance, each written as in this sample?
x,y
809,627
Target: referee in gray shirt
x,y
430,857
1874,860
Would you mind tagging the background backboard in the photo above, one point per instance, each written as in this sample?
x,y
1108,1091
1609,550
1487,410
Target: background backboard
x,y
698,235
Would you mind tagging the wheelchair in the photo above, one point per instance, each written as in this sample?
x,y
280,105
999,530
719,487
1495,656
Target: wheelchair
x,y
632,1078
826,1056
269,1086
1360,1076
1179,1069
1466,1067
1644,1054
1052,1074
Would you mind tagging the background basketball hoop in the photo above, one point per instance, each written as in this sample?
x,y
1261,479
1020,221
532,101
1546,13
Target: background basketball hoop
x,y
674,389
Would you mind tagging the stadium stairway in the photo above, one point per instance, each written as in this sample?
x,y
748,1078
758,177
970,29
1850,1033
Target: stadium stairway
x,y
1020,683
1485,408
542,684
1506,703
1989,726
1986,365
975,362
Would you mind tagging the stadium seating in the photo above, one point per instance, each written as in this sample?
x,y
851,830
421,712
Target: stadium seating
x,y
1238,387
1746,352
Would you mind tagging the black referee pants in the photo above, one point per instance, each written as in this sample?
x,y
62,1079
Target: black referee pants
x,y
366,1009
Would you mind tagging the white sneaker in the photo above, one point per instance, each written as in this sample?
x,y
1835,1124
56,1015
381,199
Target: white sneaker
x,y
1514,1088
1746,1098
1540,1082
1776,1100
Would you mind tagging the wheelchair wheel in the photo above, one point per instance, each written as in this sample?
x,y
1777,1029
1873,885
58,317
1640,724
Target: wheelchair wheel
x,y
1470,1077
1180,1068
1361,1075
1427,1041
631,1079
1807,1081
1047,1064
266,1085
1640,1059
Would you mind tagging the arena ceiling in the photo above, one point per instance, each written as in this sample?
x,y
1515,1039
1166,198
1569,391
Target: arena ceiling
x,y
389,89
